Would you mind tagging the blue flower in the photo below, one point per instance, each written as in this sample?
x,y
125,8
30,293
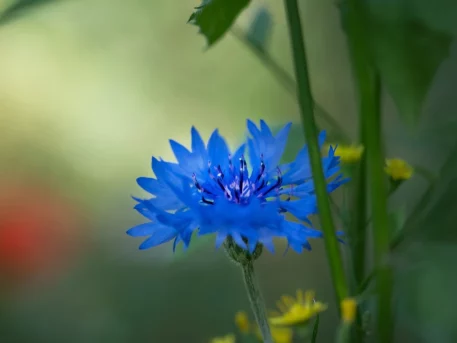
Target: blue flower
x,y
212,190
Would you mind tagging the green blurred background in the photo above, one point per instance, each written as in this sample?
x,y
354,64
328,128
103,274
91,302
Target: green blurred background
x,y
91,89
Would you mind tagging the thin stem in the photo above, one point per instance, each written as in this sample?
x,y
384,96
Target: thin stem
x,y
368,87
309,126
315,330
286,80
257,303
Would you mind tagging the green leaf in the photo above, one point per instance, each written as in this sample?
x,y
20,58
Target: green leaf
x,y
406,51
408,54
426,284
438,14
18,8
215,17
433,218
259,31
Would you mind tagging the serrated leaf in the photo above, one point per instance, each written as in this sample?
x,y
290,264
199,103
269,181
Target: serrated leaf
x,y
18,8
259,30
215,17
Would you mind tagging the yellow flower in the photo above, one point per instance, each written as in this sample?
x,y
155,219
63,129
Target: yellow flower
x,y
242,322
297,311
281,335
348,309
348,153
226,339
398,169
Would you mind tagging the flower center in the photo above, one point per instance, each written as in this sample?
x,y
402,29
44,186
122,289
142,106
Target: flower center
x,y
235,184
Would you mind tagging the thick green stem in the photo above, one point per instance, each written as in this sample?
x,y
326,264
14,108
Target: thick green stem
x,y
368,89
381,231
257,303
309,126
357,236
358,224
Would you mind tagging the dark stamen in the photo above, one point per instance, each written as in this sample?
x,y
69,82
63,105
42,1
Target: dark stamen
x,y
209,202
242,164
276,185
262,170
262,184
237,196
199,187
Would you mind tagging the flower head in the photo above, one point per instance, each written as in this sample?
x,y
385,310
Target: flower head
x,y
348,309
398,169
348,153
242,322
226,339
214,190
297,311
279,334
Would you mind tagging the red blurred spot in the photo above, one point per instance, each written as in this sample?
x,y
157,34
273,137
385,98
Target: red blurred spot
x,y
38,231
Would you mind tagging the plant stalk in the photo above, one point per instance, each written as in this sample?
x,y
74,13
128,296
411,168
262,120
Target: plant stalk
x,y
370,109
256,299
309,127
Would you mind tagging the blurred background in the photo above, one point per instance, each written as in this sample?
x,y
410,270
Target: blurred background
x,y
91,89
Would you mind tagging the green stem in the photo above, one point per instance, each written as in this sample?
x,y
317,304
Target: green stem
x,y
257,303
357,236
315,330
309,126
358,222
287,81
368,88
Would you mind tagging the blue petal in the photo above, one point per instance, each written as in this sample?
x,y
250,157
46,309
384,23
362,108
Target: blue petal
x,y
254,154
238,240
301,208
175,242
143,210
145,229
168,173
159,237
238,153
183,156
264,128
296,246
267,242
151,185
217,150
253,130
220,238
297,232
276,149
198,146
252,244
